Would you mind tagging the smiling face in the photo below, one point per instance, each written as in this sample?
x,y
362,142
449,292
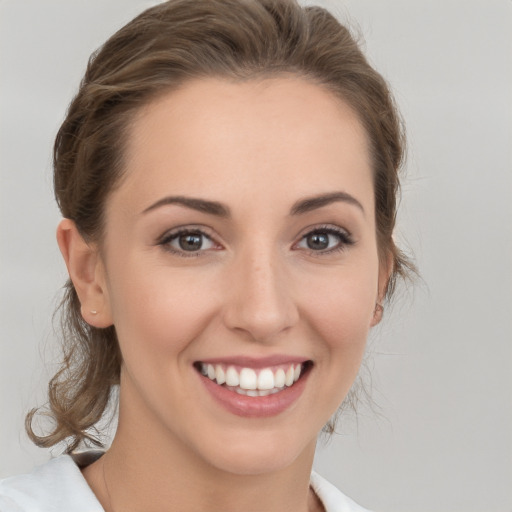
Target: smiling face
x,y
240,245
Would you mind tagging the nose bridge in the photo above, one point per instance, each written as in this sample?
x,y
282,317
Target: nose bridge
x,y
261,302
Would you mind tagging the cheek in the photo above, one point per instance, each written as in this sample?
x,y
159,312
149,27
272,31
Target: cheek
x,y
339,314
156,312
342,306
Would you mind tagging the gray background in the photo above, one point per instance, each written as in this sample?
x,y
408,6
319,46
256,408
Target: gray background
x,y
441,363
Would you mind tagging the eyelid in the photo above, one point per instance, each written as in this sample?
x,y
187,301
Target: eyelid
x,y
185,228
172,234
346,238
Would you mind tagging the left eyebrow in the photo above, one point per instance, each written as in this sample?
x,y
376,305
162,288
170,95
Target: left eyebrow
x,y
201,205
312,203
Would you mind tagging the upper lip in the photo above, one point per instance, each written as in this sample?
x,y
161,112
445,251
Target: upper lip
x,y
255,362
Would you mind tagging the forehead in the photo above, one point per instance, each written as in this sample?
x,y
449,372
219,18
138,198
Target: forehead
x,y
213,137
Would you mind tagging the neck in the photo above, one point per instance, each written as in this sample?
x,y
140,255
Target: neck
x,y
147,470
141,480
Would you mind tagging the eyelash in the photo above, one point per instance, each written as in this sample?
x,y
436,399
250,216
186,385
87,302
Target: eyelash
x,y
344,240
171,236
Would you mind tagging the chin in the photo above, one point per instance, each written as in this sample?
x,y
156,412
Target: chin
x,y
260,453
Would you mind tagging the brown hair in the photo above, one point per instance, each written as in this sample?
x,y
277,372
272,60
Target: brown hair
x,y
159,50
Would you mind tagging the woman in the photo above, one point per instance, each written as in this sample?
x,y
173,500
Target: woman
x,y
227,175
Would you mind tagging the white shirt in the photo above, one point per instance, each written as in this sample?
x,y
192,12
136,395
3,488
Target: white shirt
x,y
59,486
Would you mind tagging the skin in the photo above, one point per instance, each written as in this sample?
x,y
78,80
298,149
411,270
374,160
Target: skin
x,y
255,289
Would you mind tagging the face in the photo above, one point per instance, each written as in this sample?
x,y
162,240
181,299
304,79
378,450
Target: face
x,y
241,245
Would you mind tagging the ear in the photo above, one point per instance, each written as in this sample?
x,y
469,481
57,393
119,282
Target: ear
x,y
385,271
86,270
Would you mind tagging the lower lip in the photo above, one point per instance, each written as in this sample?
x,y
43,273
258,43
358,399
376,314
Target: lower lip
x,y
257,406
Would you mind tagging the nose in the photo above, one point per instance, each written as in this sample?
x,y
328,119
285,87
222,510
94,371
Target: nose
x,y
261,302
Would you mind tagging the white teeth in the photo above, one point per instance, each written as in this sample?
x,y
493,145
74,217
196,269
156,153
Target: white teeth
x,y
266,379
232,378
251,382
220,376
248,379
255,392
279,378
289,376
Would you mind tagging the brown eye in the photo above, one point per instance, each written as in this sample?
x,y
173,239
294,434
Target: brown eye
x,y
317,241
325,240
187,241
190,241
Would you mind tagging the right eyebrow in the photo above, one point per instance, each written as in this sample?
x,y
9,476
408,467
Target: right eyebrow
x,y
201,205
312,203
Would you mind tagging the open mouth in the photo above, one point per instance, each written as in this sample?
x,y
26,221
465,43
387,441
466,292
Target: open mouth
x,y
254,382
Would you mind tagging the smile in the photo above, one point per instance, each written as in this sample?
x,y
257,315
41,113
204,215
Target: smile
x,y
253,382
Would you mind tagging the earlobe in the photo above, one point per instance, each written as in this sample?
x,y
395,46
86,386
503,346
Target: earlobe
x,y
377,314
86,271
385,272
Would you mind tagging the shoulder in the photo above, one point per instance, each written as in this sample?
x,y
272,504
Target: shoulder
x,y
56,485
333,499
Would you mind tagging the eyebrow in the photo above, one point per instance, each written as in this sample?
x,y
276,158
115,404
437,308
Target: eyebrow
x,y
201,205
220,210
312,203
